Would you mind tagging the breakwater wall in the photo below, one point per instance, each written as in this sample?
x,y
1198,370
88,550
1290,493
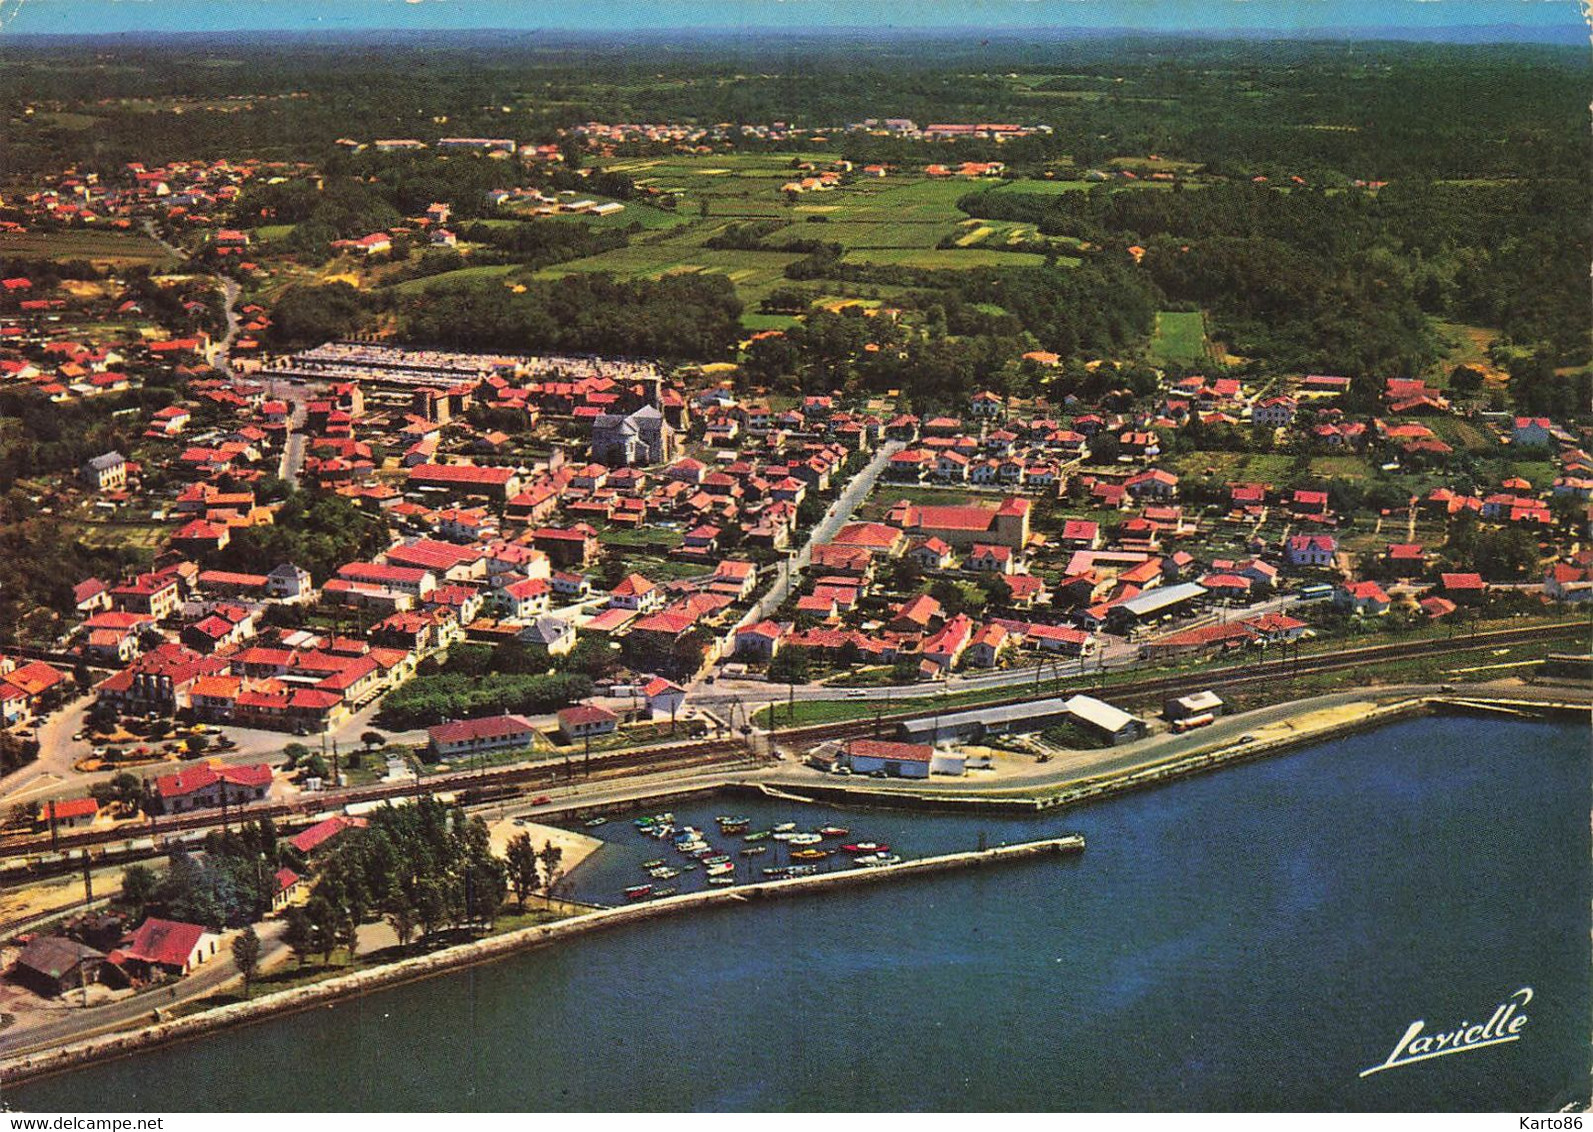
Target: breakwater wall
x,y
1199,762
23,1067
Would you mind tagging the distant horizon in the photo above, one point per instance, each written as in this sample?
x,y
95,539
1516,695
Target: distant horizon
x,y
1456,21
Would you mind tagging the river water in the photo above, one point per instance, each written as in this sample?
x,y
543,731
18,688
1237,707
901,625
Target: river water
x,y
1251,939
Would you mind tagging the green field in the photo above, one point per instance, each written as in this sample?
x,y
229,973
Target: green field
x,y
1180,336
120,248
949,258
898,221
754,321
451,278
755,274
1037,186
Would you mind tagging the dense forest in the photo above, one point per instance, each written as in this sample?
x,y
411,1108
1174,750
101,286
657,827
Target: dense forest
x,y
1310,278
1372,110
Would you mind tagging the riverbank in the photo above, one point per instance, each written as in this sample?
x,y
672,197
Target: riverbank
x,y
30,1066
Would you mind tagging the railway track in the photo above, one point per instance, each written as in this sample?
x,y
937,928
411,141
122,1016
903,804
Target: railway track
x,y
38,850
1228,677
164,833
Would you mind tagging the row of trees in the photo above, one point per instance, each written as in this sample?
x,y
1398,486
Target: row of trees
x,y
426,700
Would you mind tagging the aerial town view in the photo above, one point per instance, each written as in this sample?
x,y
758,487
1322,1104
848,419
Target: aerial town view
x,y
1029,565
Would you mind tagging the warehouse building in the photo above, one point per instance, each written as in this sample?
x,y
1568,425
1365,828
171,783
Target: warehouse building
x,y
978,724
1153,605
1196,703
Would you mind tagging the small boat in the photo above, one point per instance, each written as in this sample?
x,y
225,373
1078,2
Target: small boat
x,y
665,873
783,835
595,822
653,864
733,825
866,847
833,831
779,872
659,894
878,859
638,892
802,870
810,854
716,859
723,869
689,867
761,835
754,850
724,879
804,839
785,827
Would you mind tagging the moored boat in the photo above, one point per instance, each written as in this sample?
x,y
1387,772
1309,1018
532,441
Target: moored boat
x,y
664,873
866,847
660,893
785,827
834,831
875,860
733,825
761,835
725,878
754,850
653,864
638,891
810,854
804,839
595,822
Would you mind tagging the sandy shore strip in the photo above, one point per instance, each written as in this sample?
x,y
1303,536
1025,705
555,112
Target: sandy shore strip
x,y
576,847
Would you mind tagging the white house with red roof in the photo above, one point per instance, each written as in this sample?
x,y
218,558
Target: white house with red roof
x,y
465,737
1363,598
1310,550
636,593
165,947
664,697
586,721
205,786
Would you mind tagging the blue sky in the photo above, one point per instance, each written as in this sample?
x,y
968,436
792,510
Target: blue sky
x,y
1424,18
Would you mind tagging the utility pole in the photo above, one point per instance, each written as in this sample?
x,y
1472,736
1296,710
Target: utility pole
x,y
88,880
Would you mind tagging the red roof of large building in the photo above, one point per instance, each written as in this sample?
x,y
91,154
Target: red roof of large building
x,y
886,749
486,727
168,943
322,832
198,777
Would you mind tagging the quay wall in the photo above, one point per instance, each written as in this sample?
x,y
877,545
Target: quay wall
x,y
27,1066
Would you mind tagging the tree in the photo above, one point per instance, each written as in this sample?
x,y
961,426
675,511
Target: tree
x,y
551,856
373,739
523,867
139,884
246,956
298,934
401,918
324,918
348,935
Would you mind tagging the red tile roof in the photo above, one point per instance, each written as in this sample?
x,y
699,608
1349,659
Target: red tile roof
x,y
168,943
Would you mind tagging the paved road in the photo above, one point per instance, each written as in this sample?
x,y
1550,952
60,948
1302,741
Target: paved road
x,y
60,1027
57,752
824,530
